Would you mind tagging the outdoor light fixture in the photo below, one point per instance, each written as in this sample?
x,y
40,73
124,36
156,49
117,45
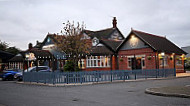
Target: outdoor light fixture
x,y
132,37
162,54
27,55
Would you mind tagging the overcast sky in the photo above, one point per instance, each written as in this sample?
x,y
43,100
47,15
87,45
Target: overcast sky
x,y
25,21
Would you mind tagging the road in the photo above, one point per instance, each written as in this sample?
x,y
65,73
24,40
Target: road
x,y
112,94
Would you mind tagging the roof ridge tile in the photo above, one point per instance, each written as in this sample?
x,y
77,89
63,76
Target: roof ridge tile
x,y
149,34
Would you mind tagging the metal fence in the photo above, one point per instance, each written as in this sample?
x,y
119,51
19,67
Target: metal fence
x,y
95,76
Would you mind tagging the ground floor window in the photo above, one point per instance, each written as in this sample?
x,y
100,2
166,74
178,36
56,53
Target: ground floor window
x,y
129,62
97,61
179,60
164,61
81,64
16,65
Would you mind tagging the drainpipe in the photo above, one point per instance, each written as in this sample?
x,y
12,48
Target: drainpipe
x,y
111,62
156,62
135,62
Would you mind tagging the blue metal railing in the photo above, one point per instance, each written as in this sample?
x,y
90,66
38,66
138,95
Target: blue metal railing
x,y
95,76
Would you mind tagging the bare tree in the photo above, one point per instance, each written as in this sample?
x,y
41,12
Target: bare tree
x,y
73,45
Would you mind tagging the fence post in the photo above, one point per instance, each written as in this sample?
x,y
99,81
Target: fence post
x,y
111,75
164,72
67,77
174,72
54,78
145,74
80,77
123,75
135,75
37,77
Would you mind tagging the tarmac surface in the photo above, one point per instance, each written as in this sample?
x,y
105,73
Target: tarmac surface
x,y
129,93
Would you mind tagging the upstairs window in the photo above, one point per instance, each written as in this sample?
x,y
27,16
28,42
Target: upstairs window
x,y
95,41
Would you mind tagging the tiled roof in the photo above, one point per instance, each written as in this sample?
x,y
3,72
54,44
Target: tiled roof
x,y
17,59
158,43
55,37
104,35
111,44
186,49
101,34
5,56
100,50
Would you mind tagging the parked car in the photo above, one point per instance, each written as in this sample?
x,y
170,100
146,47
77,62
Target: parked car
x,y
9,74
19,76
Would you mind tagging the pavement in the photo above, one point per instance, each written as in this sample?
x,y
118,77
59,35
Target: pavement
x,y
173,91
187,74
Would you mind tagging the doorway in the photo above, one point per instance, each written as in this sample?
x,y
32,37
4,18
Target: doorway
x,y
136,63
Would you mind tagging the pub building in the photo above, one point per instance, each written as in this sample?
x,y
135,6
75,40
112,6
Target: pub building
x,y
141,50
110,50
35,56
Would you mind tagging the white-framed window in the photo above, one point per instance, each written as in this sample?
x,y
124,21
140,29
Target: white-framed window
x,y
81,63
129,62
95,41
97,61
164,61
179,61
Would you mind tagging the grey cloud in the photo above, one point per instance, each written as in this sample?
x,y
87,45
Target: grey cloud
x,y
24,21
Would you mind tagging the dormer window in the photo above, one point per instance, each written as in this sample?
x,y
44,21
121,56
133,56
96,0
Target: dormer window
x,y
95,41
48,40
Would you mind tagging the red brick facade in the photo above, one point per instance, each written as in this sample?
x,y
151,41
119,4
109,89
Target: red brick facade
x,y
152,59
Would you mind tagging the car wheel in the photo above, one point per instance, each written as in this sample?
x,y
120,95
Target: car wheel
x,y
4,79
10,78
19,79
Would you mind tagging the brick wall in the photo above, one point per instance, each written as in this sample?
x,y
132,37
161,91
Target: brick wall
x,y
149,63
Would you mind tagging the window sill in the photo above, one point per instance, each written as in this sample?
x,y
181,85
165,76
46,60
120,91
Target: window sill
x,y
179,64
99,67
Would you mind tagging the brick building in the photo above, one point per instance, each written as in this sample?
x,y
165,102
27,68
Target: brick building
x,y
4,57
31,57
42,54
104,44
111,51
141,50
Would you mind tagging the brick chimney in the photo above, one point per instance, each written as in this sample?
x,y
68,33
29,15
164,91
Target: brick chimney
x,y
30,46
114,22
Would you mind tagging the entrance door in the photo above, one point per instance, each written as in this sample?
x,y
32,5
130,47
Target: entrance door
x,y
136,63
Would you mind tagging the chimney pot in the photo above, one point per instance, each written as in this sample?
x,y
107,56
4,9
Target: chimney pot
x,y
114,22
30,46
